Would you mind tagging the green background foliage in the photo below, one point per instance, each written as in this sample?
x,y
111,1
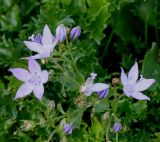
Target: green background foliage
x,y
115,33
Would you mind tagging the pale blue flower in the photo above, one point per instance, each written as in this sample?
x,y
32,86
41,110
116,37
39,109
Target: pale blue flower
x,y
91,87
117,127
75,33
61,33
68,128
132,86
43,45
33,79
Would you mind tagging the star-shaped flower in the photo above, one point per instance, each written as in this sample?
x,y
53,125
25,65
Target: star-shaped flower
x,y
33,79
43,45
91,87
132,86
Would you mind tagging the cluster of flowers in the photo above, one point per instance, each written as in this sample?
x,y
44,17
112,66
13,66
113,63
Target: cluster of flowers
x,y
131,85
34,79
43,45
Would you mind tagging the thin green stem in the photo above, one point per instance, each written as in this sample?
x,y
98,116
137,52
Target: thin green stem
x,y
114,107
107,45
72,59
108,128
71,79
116,137
51,135
59,66
146,32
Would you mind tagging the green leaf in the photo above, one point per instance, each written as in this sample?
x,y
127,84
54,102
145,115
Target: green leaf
x,y
101,107
11,20
151,64
97,130
97,15
139,106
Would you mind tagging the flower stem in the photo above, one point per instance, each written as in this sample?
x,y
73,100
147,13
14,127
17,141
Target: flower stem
x,y
116,137
51,135
107,44
72,59
146,32
114,109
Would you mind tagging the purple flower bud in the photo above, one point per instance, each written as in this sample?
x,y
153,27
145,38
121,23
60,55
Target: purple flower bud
x,y
68,128
75,32
61,33
103,94
117,127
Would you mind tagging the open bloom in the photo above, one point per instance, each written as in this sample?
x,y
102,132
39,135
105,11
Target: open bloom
x,y
91,87
33,79
68,128
132,86
43,45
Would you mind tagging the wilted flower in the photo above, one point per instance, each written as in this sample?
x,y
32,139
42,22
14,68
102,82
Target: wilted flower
x,y
105,116
132,87
75,32
33,79
117,127
43,45
27,125
90,86
61,33
68,128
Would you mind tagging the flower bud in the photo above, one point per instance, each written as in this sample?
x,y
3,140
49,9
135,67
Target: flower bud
x,y
103,94
117,127
68,128
115,81
61,33
75,33
51,105
105,116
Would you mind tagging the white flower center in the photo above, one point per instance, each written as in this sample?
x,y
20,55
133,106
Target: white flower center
x,y
129,89
35,79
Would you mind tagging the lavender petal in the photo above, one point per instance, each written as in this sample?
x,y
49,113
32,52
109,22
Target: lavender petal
x,y
144,84
20,73
33,46
140,96
44,75
33,66
133,73
39,91
23,91
47,36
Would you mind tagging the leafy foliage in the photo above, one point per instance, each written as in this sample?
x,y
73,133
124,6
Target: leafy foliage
x,y
114,33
